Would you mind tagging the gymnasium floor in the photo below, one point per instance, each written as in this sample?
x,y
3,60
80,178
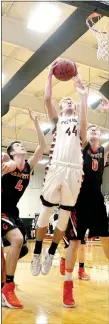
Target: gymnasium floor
x,y
42,295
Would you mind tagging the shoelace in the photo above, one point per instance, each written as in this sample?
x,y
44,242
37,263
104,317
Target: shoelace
x,y
48,261
17,288
35,262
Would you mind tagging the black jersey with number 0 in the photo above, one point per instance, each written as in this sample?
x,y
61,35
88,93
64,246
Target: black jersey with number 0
x,y
93,168
13,187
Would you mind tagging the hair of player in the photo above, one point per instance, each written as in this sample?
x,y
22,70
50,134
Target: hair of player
x,y
91,126
63,99
10,148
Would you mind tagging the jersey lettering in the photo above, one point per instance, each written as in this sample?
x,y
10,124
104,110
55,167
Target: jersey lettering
x,y
69,131
4,226
74,130
19,185
94,165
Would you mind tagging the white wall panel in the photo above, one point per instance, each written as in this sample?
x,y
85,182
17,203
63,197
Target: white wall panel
x,y
30,202
105,185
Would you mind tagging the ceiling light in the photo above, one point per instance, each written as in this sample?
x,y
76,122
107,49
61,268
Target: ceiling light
x,y
45,16
43,161
3,77
93,99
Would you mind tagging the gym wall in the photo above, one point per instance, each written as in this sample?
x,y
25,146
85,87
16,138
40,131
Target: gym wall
x,y
105,185
30,202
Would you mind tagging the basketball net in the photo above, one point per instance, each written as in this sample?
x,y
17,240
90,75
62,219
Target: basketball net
x,y
101,35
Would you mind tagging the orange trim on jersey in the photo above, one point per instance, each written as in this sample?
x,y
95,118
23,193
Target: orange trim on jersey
x,y
4,226
21,169
94,148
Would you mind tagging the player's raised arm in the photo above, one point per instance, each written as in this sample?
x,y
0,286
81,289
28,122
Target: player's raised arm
x,y
52,113
8,165
80,88
106,151
41,139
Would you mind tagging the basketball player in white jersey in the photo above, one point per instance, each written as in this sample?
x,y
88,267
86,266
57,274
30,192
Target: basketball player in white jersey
x,y
63,179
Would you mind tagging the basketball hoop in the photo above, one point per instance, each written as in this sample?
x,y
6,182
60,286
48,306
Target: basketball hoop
x,y
102,36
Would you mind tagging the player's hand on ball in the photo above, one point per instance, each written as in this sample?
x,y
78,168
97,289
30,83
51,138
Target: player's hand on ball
x,y
33,115
52,68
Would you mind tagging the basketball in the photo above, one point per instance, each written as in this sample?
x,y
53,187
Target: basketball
x,y
65,70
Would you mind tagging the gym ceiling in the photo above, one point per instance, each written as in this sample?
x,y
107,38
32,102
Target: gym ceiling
x,y
26,58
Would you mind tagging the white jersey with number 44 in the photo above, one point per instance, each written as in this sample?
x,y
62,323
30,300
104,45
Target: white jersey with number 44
x,y
67,146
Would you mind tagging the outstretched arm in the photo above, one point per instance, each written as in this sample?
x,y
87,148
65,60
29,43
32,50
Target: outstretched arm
x,y
80,88
52,113
41,139
8,165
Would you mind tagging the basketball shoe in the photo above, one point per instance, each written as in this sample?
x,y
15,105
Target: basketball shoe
x,y
82,274
36,264
8,296
46,265
68,300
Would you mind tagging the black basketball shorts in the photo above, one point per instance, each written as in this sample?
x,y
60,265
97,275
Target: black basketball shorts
x,y
10,221
70,230
90,213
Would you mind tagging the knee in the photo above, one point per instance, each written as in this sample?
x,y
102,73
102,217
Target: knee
x,y
42,223
75,244
63,220
44,216
18,240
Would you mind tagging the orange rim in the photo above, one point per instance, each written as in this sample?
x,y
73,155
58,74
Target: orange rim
x,y
93,15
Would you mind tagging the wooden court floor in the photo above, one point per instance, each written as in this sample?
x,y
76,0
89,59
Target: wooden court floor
x,y
42,295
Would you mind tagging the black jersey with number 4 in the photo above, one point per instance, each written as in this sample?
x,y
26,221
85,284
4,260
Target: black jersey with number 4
x,y
13,187
93,168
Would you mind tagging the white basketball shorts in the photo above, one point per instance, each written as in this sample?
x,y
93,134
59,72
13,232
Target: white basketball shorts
x,y
62,184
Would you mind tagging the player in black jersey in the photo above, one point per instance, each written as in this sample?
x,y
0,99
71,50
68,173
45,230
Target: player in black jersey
x,y
7,165
90,208
13,187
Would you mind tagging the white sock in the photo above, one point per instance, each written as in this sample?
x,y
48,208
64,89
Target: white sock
x,y
68,275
